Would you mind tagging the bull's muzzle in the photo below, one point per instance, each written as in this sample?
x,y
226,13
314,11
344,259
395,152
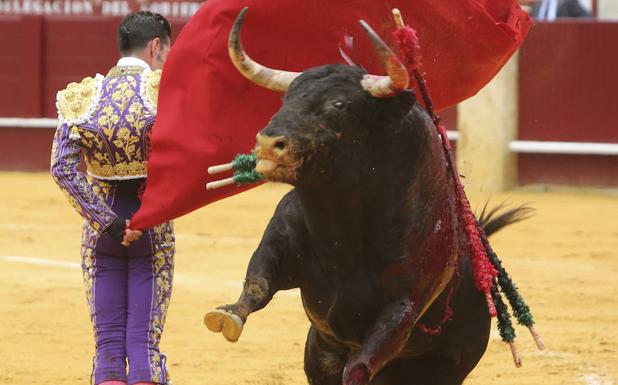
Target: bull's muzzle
x,y
271,152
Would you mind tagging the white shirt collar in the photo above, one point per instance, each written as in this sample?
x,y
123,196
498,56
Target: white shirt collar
x,y
132,61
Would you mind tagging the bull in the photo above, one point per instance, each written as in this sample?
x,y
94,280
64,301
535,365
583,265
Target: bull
x,y
369,233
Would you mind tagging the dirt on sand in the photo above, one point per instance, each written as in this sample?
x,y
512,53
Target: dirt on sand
x,y
564,259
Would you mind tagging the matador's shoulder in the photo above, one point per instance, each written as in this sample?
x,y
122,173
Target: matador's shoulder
x,y
77,102
149,88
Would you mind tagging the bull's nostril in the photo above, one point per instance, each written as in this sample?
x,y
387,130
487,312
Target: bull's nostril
x,y
275,145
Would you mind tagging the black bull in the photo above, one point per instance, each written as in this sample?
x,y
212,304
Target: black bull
x,y
369,234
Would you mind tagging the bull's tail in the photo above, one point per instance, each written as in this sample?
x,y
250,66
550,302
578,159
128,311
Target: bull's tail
x,y
494,219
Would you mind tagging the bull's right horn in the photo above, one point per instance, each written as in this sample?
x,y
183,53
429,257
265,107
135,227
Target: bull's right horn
x,y
272,79
397,78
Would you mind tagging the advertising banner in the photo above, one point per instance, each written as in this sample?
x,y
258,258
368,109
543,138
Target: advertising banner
x,y
167,8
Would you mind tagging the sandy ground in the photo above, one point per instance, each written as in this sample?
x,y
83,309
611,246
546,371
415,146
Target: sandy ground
x,y
565,261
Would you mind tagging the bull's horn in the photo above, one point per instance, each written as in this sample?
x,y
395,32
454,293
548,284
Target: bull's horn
x,y
275,80
397,78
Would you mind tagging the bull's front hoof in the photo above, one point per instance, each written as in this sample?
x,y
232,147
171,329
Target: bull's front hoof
x,y
357,375
221,321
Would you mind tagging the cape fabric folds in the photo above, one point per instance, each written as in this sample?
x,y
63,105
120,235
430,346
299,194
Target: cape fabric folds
x,y
208,112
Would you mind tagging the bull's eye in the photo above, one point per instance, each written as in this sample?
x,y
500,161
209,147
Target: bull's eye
x,y
339,104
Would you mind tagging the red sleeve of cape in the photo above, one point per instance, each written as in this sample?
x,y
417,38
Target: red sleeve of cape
x,y
208,112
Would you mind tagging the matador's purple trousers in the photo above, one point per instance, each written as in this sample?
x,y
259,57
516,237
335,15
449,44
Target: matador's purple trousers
x,y
128,290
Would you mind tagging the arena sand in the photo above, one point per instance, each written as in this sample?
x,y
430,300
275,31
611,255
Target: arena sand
x,y
565,260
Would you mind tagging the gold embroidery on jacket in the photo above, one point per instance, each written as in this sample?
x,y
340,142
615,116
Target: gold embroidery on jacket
x,y
78,190
113,133
116,147
153,80
76,102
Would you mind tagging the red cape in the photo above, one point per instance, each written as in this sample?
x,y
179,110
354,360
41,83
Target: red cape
x,y
208,112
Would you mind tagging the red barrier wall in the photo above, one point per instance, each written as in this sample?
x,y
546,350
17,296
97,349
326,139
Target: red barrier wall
x,y
25,149
44,53
566,89
75,47
20,66
40,56
449,118
569,170
567,92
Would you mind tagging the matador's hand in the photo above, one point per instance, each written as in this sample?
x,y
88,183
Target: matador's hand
x,y
116,230
130,235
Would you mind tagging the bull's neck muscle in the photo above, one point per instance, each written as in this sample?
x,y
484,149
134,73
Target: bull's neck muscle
x,y
334,222
350,217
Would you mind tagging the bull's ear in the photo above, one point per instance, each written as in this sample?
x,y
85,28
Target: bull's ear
x,y
395,108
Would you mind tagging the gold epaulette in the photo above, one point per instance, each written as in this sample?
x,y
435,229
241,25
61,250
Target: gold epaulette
x,y
149,89
77,102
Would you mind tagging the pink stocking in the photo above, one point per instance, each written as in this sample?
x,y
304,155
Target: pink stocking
x,y
113,383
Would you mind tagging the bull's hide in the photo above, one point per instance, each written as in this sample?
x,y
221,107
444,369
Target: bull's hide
x,y
208,112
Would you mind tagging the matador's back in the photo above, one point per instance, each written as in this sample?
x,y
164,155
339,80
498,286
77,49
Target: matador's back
x,y
108,119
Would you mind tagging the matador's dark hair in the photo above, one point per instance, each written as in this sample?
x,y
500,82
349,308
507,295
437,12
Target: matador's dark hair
x,y
138,28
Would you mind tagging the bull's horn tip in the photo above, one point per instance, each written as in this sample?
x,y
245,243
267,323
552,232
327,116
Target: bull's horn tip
x,y
241,17
272,79
372,34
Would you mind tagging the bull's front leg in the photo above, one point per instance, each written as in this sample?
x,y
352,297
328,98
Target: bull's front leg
x,y
385,340
230,319
270,270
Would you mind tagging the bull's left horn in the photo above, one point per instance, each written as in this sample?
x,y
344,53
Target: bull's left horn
x,y
397,79
275,80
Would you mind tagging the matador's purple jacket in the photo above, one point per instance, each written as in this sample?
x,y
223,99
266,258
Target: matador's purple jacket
x,y
108,118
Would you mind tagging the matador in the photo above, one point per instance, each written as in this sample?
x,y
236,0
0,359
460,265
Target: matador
x,y
128,286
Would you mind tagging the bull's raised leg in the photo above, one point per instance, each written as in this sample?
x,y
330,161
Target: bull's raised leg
x,y
269,271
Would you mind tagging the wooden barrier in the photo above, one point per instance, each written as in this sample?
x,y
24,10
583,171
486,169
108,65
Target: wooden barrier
x,y
75,47
26,149
20,66
41,55
25,144
567,93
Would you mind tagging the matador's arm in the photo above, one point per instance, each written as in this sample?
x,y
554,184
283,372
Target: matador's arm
x,y
64,162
